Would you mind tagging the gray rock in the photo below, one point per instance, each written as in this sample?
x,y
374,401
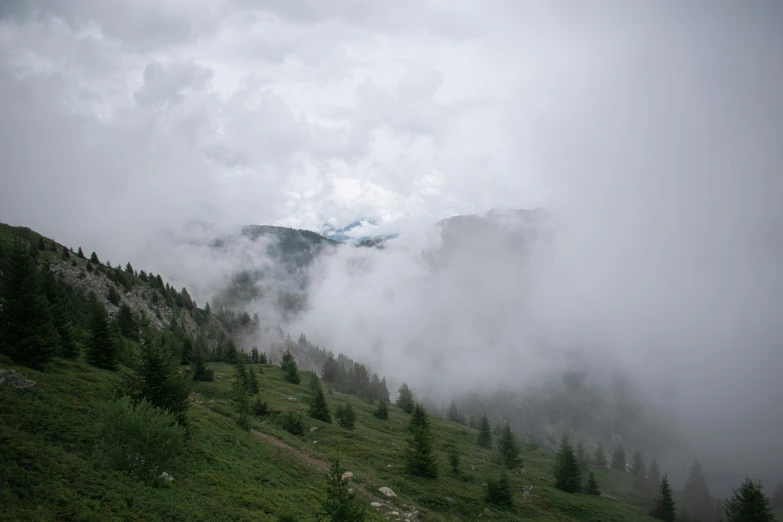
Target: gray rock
x,y
387,492
14,380
167,477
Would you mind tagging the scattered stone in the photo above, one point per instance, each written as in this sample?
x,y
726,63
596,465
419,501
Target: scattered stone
x,y
486,513
315,442
527,491
376,505
472,467
14,380
450,499
388,465
212,401
347,475
292,399
610,497
387,492
393,514
350,490
167,477
314,428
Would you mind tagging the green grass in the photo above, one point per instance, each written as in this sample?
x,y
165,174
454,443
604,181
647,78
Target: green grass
x,y
49,469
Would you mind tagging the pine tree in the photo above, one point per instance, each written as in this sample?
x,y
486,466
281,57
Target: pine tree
x,y
318,407
230,352
600,456
27,332
485,433
240,374
498,491
94,259
748,504
663,504
290,368
454,459
314,383
454,414
252,381
262,358
581,457
200,370
383,411
568,474
653,477
102,349
254,355
64,254
419,418
405,398
129,268
618,458
592,485
89,268
113,296
697,503
239,394
419,455
80,254
61,314
346,417
127,324
637,467
509,448
41,244
340,503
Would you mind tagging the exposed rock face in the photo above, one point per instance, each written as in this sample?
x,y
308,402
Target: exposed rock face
x,y
387,492
14,380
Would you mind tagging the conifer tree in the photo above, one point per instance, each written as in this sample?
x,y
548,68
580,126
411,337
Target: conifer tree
x,y
41,244
581,457
290,368
340,503
113,296
346,417
240,374
697,503
498,491
89,268
254,355
330,368
485,433
230,353
383,411
102,349
318,407
663,504
419,418
127,324
27,332
80,254
61,314
262,358
239,394
637,467
405,398
419,455
129,268
653,477
314,383
618,458
568,474
252,381
748,504
591,488
200,370
454,414
64,254
94,259
454,459
509,448
600,456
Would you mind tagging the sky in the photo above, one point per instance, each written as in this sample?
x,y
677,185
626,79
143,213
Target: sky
x,y
651,131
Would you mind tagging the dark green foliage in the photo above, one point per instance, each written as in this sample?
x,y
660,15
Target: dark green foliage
x,y
663,504
454,414
405,398
90,268
290,368
318,407
697,503
254,355
498,491
62,317
79,253
102,349
454,459
314,383
340,504
568,473
508,448
94,259
262,358
591,488
126,323
748,504
158,378
330,371
27,332
346,416
293,423
200,370
41,244
618,458
140,439
260,408
581,457
252,381
419,455
230,353
129,268
64,254
485,433
419,419
382,412
239,394
187,351
653,477
637,466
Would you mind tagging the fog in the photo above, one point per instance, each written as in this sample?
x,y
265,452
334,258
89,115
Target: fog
x,y
649,134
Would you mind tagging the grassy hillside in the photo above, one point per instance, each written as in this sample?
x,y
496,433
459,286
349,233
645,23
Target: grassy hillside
x,y
49,469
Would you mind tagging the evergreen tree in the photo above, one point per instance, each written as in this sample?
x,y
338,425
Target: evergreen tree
x,y
419,418
27,332
61,314
260,408
254,355
127,324
200,370
41,244
346,417
239,394
419,455
290,368
454,459
80,254
618,458
262,358
592,485
129,268
89,268
318,407
252,381
653,477
581,456
638,467
240,374
94,259
383,411
697,503
509,448
748,504
102,349
485,433
663,504
230,352
340,503
498,491
405,398
113,296
314,383
568,474
64,254
454,414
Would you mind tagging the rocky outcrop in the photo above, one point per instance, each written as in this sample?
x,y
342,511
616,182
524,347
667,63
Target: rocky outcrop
x,y
14,379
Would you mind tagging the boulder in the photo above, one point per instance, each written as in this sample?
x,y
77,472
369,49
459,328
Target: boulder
x,y
347,475
14,380
527,491
387,492
376,505
314,428
166,477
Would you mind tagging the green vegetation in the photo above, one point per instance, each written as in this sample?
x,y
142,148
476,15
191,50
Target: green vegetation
x,y
749,503
340,503
405,398
663,504
568,473
485,433
508,448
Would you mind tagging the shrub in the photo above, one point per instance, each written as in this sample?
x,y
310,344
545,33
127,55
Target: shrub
x,y
293,423
139,439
